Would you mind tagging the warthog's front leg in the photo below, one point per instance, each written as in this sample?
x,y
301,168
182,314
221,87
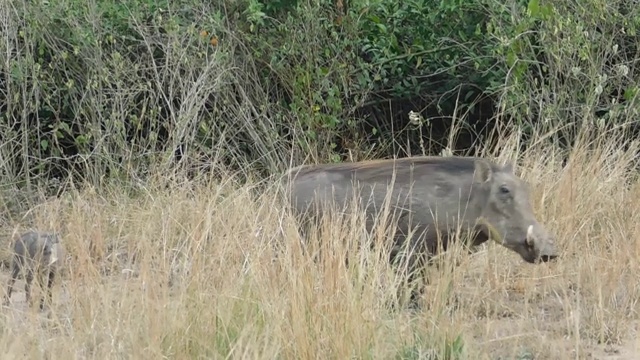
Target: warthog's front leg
x,y
50,278
27,286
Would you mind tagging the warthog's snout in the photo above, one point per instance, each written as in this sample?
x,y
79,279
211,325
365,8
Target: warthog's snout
x,y
540,245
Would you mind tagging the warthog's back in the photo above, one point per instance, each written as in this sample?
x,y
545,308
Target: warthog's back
x,y
382,170
438,186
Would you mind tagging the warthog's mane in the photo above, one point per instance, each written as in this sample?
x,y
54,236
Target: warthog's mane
x,y
377,169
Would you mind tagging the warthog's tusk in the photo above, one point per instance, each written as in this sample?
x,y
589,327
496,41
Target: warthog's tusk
x,y
529,235
54,255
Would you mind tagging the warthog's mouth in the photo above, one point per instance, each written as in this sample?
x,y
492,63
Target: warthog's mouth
x,y
497,237
540,259
547,258
547,255
535,259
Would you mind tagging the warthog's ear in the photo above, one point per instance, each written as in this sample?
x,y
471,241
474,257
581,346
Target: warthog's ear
x,y
508,167
482,171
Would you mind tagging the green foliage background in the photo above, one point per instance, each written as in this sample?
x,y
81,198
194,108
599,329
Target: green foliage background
x,y
120,91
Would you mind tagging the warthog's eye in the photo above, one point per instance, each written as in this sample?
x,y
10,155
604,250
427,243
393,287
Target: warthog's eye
x,y
504,189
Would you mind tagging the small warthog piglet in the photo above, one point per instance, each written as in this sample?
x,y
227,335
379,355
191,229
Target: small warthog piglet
x,y
35,252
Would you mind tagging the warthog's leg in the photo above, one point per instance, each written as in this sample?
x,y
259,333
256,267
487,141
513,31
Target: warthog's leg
x,y
50,278
27,285
15,271
412,255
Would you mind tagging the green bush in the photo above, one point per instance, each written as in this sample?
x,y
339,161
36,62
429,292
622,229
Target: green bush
x,y
325,65
121,90
113,89
569,63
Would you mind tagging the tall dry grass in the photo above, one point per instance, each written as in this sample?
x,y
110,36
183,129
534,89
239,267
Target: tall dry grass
x,y
217,271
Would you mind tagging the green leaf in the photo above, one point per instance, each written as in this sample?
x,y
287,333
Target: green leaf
x,y
630,93
81,140
534,8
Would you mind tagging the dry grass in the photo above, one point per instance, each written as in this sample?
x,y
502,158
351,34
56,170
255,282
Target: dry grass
x,y
218,272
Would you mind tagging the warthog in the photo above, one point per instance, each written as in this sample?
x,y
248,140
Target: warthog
x,y
429,196
35,252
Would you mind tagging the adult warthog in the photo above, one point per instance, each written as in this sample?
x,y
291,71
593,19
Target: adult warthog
x,y
431,197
